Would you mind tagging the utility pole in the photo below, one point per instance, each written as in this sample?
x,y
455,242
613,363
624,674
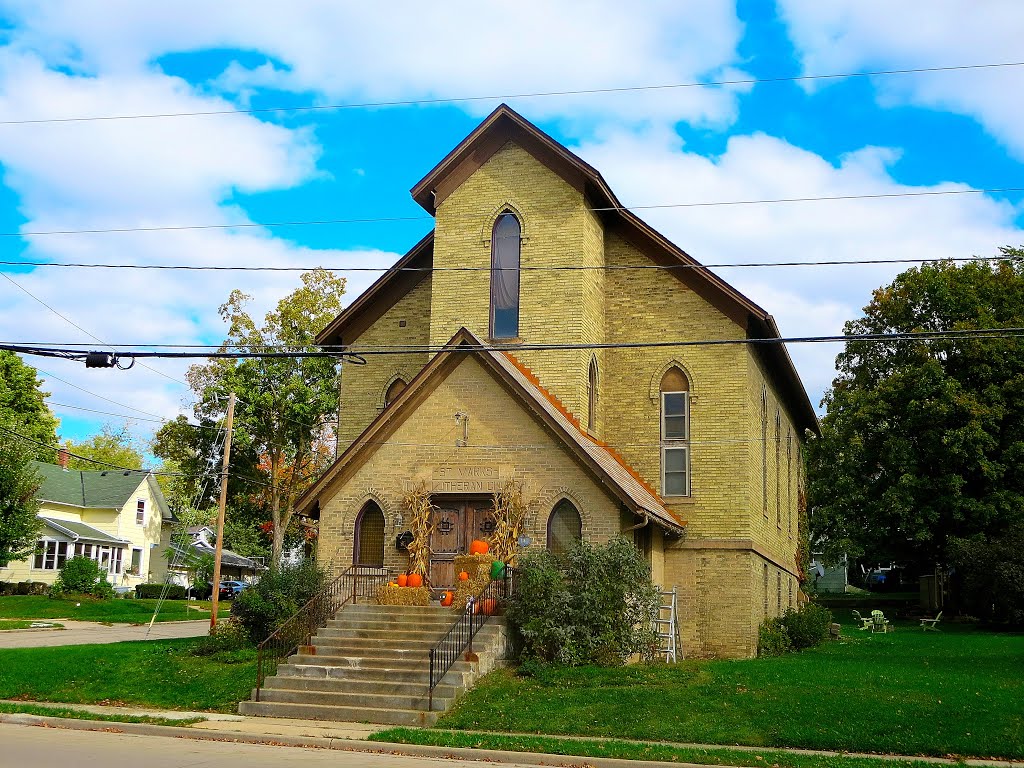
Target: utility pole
x,y
215,595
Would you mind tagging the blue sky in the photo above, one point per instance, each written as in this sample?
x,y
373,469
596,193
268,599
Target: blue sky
x,y
959,130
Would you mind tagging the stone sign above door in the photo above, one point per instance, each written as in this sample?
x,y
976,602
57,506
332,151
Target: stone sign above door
x,y
465,479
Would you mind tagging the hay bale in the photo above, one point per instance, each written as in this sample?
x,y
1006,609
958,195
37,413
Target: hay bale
x,y
479,569
395,595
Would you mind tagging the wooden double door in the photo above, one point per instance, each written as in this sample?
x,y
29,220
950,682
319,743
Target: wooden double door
x,y
456,523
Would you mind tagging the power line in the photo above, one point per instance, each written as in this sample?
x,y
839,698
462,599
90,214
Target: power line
x,y
602,209
526,268
128,416
86,391
395,349
503,97
71,322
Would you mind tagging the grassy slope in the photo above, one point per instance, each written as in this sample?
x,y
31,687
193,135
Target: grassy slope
x,y
954,692
159,674
116,611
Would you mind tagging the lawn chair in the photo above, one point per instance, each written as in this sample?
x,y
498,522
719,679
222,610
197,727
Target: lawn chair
x,y
864,623
878,622
927,624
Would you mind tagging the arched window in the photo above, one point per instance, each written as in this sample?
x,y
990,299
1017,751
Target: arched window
x,y
505,244
369,536
565,527
764,451
394,390
592,382
675,433
778,468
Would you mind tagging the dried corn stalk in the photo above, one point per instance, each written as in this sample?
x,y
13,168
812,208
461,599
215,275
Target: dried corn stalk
x,y
509,520
417,504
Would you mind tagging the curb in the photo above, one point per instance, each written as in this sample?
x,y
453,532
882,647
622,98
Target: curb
x,y
419,750
345,745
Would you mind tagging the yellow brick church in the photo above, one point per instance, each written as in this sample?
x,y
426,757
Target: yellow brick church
x,y
693,451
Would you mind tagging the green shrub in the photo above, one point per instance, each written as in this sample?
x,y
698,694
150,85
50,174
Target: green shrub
x,y
154,591
772,638
228,635
990,574
276,597
807,627
592,605
84,576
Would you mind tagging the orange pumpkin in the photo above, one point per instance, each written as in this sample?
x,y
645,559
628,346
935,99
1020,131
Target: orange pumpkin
x,y
463,576
490,606
392,584
403,579
415,580
478,547
447,599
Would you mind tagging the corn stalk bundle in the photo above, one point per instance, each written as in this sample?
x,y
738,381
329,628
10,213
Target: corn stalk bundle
x,y
420,510
509,520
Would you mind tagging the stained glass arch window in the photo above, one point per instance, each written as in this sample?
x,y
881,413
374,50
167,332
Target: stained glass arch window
x,y
565,527
506,240
369,536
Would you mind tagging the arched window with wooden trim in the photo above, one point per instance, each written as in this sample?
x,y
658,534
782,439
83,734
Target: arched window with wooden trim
x,y
764,451
592,395
565,527
789,480
395,388
506,240
675,433
778,469
369,536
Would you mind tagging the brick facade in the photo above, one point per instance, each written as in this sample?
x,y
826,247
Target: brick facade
x,y
741,511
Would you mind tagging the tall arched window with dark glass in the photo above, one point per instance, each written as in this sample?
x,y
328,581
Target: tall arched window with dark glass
x,y
505,244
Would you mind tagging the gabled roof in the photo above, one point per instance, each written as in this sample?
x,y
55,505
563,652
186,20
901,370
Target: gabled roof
x,y
608,467
503,125
103,489
77,531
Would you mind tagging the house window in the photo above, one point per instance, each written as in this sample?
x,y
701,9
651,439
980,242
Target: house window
x,y
115,561
778,593
369,549
50,555
675,433
394,390
764,453
565,527
592,395
140,512
766,590
136,567
505,247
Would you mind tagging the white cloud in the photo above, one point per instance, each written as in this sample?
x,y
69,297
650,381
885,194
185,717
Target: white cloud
x,y
855,35
343,51
150,174
656,168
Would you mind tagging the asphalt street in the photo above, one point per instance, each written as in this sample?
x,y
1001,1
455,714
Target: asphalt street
x,y
23,745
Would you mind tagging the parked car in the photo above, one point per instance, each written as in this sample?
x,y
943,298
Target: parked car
x,y
231,589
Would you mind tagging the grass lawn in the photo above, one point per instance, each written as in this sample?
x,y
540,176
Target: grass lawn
x,y
21,624
117,611
77,714
632,750
955,692
158,674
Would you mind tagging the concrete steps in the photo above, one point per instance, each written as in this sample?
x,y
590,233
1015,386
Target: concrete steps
x,y
371,664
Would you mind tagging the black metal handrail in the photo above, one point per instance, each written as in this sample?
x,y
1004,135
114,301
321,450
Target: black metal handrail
x,y
458,640
358,581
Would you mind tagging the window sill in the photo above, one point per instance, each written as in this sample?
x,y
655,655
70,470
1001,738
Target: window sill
x,y
679,499
515,340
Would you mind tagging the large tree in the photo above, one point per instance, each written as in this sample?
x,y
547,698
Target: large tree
x,y
19,526
111,446
285,405
23,405
923,441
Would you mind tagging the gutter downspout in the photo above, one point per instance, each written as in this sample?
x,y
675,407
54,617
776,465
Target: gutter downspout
x,y
638,526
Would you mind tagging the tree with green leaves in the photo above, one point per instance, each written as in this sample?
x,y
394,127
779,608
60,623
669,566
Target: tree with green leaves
x,y
112,446
923,440
19,526
23,405
285,405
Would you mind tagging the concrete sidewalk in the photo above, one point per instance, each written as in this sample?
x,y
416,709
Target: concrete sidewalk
x,y
87,632
353,737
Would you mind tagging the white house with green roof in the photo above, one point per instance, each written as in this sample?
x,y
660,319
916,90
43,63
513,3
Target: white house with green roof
x,y
115,517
